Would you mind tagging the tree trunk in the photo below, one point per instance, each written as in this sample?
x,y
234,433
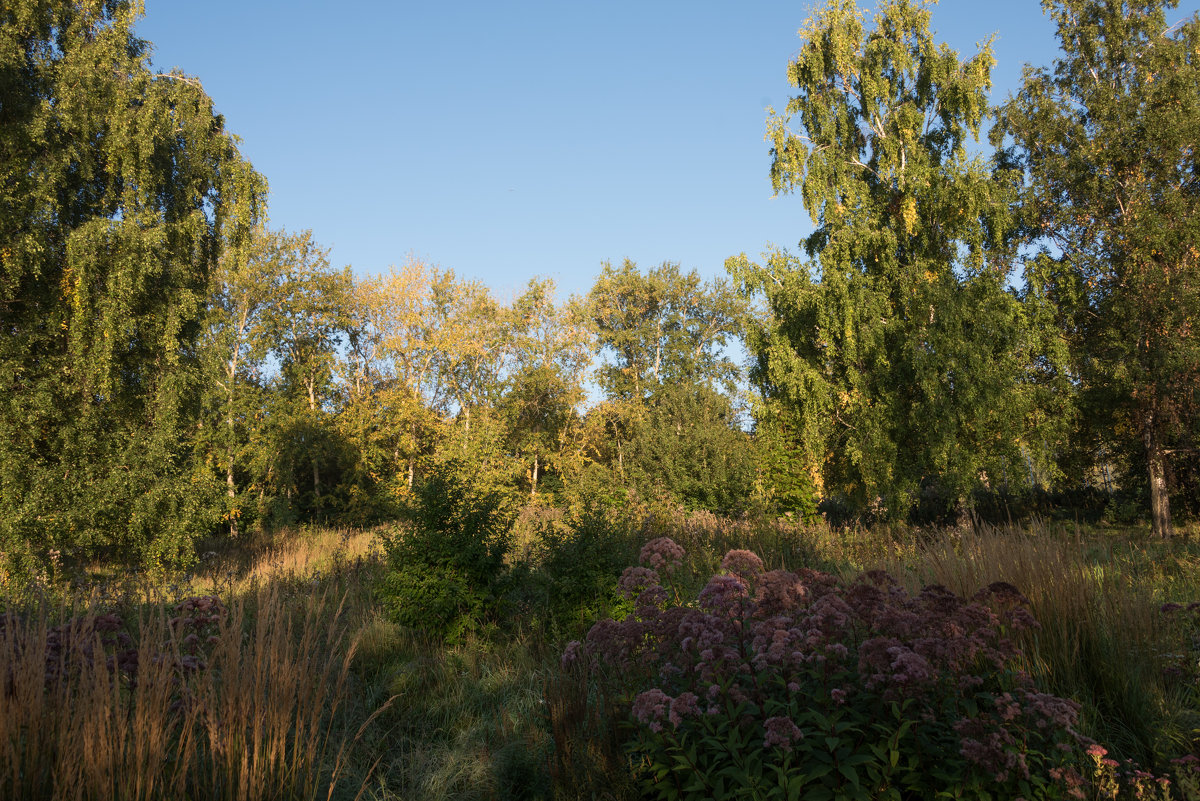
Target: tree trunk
x,y
230,488
231,491
312,407
412,457
533,483
1160,499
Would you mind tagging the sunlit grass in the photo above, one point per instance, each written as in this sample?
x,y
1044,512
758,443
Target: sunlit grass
x,y
306,555
247,710
491,717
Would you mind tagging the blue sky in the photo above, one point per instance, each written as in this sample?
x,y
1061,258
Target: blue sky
x,y
505,140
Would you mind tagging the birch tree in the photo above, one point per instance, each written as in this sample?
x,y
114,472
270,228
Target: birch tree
x,y
119,188
894,349
1108,136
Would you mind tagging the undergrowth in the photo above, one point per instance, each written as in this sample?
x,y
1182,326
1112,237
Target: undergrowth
x,y
383,709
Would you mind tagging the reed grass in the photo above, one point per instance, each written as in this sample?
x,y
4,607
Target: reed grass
x,y
1100,640
249,716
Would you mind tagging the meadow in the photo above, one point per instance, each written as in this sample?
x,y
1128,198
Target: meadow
x,y
275,670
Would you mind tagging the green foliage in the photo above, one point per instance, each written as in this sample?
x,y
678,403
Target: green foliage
x,y
688,447
538,409
1107,136
661,326
447,567
121,188
575,566
783,476
898,357
548,351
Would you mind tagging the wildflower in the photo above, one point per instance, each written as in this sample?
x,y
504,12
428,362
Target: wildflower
x,y
782,731
571,654
909,667
829,616
616,643
651,600
724,596
682,706
779,592
650,708
742,563
636,579
662,554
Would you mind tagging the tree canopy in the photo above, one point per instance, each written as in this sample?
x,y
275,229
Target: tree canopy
x,y
1107,136
173,368
120,187
897,353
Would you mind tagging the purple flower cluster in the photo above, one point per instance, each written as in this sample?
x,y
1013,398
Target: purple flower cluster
x,y
650,708
771,644
744,564
781,733
662,554
74,646
992,740
83,643
196,625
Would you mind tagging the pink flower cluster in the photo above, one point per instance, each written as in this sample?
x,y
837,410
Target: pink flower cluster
x,y
764,642
662,554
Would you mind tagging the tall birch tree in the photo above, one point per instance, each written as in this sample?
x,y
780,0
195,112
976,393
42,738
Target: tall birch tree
x,y
1108,136
119,187
895,352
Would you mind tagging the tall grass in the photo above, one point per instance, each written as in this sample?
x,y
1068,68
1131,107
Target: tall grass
x,y
468,720
308,555
242,709
1101,640
280,707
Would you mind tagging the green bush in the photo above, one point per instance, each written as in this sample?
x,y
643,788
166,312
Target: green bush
x,y
577,562
447,567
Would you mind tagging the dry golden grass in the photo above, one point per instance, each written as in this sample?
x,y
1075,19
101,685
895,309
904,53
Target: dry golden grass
x,y
305,555
255,722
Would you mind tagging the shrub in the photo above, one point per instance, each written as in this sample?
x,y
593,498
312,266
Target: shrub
x,y
574,565
446,570
776,684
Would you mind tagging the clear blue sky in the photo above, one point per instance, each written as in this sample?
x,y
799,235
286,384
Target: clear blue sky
x,y
506,140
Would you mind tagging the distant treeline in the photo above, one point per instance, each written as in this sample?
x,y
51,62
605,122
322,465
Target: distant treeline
x,y
989,329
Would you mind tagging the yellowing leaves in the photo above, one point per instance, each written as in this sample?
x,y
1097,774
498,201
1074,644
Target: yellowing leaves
x,y
908,214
